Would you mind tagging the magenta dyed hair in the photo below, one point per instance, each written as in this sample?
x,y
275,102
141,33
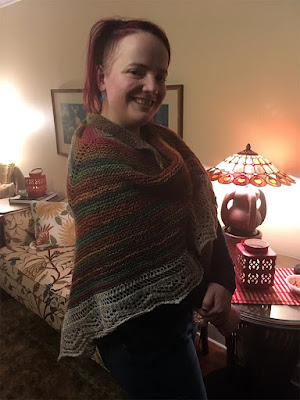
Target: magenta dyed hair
x,y
104,37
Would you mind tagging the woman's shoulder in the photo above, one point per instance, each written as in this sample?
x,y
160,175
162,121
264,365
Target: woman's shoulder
x,y
86,133
90,142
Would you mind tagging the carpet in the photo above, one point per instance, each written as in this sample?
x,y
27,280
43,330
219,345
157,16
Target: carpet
x,y
29,369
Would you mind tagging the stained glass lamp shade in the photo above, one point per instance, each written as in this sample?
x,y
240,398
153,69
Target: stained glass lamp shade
x,y
246,168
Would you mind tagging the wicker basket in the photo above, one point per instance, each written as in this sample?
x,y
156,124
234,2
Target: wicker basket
x,y
35,183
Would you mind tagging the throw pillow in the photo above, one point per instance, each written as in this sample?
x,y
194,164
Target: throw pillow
x,y
7,190
53,224
6,172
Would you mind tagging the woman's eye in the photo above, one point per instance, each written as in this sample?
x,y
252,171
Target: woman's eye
x,y
161,78
135,72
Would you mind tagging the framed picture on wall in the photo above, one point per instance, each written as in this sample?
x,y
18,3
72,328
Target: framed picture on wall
x,y
170,112
68,112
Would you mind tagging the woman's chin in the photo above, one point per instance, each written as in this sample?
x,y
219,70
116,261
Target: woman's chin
x,y
144,119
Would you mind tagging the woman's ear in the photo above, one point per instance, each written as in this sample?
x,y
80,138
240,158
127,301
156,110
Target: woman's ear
x,y
100,78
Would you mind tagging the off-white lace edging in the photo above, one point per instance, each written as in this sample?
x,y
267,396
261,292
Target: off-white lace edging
x,y
103,313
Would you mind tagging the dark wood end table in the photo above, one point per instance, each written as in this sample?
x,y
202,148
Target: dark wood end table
x,y
266,347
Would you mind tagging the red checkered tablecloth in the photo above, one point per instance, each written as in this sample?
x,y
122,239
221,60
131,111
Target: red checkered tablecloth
x,y
279,293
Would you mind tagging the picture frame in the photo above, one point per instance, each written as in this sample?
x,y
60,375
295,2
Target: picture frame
x,y
68,112
170,112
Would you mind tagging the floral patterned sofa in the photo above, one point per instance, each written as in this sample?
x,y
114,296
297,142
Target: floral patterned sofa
x,y
36,264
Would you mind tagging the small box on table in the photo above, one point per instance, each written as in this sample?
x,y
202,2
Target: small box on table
x,y
255,266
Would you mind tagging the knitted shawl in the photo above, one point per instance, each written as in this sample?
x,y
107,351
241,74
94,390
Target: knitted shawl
x,y
144,212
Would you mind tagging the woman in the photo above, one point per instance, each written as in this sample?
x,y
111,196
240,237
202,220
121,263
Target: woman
x,y
149,248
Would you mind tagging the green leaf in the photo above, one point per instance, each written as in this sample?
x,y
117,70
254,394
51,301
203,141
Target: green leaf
x,y
53,240
58,220
65,212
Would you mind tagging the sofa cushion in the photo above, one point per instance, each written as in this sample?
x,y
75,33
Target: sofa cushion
x,y
18,228
39,279
53,224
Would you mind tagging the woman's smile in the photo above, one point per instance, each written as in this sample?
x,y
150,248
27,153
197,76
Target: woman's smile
x,y
144,102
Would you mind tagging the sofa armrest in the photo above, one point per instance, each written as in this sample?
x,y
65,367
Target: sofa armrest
x,y
2,239
18,228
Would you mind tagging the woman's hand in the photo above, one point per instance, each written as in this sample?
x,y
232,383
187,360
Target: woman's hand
x,y
217,309
232,322
216,304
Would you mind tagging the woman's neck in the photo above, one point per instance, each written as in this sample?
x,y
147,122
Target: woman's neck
x,y
136,131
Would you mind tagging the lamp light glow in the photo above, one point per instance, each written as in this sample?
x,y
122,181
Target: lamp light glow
x,y
243,210
15,131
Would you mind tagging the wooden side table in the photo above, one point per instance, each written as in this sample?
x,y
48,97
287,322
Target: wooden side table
x,y
6,208
264,351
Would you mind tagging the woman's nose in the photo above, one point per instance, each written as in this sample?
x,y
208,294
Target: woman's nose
x,y
150,84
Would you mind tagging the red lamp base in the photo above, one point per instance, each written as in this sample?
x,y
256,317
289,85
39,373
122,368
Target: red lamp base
x,y
241,211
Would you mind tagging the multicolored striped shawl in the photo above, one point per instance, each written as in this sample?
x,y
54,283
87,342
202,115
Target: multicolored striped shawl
x,y
144,209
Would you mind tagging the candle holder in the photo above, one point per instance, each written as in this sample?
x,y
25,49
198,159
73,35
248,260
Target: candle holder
x,y
35,183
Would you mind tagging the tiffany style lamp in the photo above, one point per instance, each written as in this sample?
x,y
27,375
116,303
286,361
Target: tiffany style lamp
x,y
244,209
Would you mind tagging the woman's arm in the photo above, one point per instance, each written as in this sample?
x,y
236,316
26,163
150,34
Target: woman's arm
x,y
221,270
216,305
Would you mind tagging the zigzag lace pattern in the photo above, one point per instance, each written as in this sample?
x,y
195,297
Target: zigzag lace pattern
x,y
104,312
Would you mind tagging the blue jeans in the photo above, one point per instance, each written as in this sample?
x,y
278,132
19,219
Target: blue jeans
x,y
154,357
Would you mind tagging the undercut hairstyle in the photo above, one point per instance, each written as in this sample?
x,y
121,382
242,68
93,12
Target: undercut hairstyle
x,y
103,41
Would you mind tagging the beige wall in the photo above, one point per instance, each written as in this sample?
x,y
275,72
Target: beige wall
x,y
238,62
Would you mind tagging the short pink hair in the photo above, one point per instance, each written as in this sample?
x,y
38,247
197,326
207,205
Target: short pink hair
x,y
104,37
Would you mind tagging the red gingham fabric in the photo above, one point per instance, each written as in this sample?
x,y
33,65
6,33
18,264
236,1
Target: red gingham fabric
x,y
279,293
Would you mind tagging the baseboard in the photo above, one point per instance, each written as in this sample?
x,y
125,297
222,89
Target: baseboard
x,y
215,335
222,346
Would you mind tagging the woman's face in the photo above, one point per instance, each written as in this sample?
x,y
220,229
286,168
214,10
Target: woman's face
x,y
134,86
